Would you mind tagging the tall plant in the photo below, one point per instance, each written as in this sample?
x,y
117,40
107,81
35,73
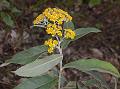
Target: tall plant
x,y
40,61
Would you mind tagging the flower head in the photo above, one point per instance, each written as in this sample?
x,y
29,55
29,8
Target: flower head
x,y
57,15
53,14
69,33
54,30
38,19
51,44
55,19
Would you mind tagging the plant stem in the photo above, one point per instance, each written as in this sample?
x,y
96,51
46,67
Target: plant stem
x,y
115,83
60,72
60,75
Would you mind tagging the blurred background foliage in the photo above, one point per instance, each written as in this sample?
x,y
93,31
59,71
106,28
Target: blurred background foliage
x,y
16,34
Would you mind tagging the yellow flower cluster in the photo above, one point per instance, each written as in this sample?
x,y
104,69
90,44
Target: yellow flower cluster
x,y
57,15
51,44
53,14
54,29
69,34
38,19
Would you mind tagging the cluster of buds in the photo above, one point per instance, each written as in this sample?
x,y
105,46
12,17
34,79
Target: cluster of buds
x,y
55,19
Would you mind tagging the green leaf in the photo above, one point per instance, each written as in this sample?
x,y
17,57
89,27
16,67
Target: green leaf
x,y
94,2
80,86
90,82
55,72
4,4
15,10
7,19
68,25
40,82
74,85
28,55
93,82
93,64
80,32
98,76
65,43
39,67
70,85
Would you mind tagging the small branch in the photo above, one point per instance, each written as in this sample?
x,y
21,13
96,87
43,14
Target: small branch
x,y
41,26
62,40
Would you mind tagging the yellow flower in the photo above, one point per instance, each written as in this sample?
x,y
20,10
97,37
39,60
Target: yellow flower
x,y
55,42
38,19
69,18
53,15
54,26
59,33
54,29
60,21
51,31
50,50
57,15
55,18
49,25
59,28
51,44
69,34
